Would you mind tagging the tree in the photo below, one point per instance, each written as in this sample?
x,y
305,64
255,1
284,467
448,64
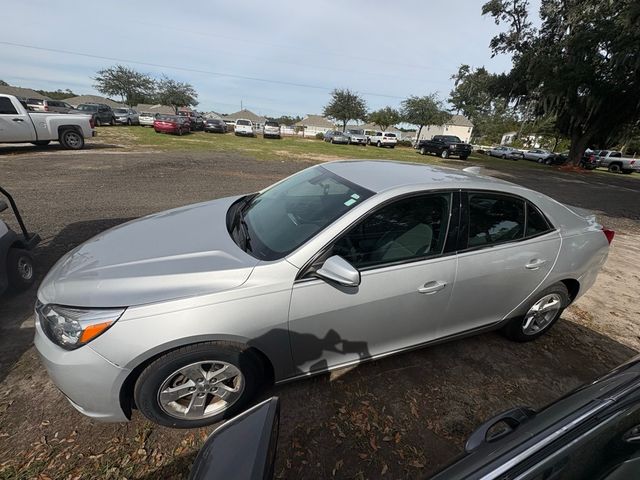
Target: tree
x,y
3,83
287,120
422,111
58,94
385,117
124,82
345,105
581,67
177,94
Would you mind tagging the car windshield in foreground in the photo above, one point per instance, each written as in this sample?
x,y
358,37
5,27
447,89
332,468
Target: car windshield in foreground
x,y
277,221
243,122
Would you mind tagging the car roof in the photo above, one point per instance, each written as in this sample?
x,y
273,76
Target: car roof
x,y
377,176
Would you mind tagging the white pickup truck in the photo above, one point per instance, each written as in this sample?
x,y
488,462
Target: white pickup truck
x,y
18,125
615,162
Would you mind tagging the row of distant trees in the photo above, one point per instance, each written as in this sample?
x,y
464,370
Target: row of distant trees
x,y
346,105
133,87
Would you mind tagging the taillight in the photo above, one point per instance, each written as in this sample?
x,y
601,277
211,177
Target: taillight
x,y
46,108
92,122
609,234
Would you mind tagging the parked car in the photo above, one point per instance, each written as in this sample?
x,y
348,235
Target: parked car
x,y
245,128
271,129
196,121
215,125
16,262
504,152
615,162
102,114
336,136
538,155
589,160
146,119
18,125
126,116
175,124
445,146
301,278
558,158
591,433
356,137
55,106
383,139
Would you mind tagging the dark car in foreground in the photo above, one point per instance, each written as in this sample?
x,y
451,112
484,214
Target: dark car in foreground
x,y
445,146
175,124
591,433
215,125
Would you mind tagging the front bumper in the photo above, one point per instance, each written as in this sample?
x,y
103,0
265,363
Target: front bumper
x,y
89,381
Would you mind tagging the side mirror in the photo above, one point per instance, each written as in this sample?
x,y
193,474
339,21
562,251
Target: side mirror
x,y
337,269
243,447
3,205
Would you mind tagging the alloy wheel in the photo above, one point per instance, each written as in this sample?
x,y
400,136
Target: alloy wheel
x,y
541,314
201,390
25,269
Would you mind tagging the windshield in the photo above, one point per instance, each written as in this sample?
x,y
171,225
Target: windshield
x,y
272,124
166,118
289,213
451,138
243,122
88,108
121,110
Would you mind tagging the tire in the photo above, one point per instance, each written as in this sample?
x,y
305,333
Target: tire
x,y
514,330
179,132
548,161
20,270
615,168
423,151
332,142
378,144
98,122
503,157
128,122
464,157
112,122
41,143
444,154
161,375
71,139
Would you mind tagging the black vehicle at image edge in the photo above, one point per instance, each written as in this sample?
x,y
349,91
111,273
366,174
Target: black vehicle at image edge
x,y
591,433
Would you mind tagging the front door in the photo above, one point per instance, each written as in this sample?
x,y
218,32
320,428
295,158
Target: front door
x,y
406,282
14,127
510,250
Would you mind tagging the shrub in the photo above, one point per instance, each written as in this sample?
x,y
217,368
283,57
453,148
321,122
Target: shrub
x,y
404,143
319,136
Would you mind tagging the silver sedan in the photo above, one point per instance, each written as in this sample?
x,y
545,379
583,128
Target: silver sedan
x,y
187,314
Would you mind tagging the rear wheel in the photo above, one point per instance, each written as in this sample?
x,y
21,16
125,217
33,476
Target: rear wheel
x,y
543,311
548,161
198,385
71,139
378,144
423,151
615,168
20,271
129,121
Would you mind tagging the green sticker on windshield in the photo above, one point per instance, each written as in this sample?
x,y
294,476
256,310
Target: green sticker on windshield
x,y
355,196
349,202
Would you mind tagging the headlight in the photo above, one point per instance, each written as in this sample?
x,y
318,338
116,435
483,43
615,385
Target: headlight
x,y
71,328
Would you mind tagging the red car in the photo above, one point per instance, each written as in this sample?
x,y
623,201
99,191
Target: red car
x,y
172,124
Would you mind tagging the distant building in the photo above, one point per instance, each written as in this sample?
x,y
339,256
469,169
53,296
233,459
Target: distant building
x,y
157,108
212,115
258,121
458,125
22,93
531,141
75,101
311,125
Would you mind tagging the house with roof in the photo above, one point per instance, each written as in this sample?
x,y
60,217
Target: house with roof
x,y
313,124
458,125
21,93
371,127
75,101
258,121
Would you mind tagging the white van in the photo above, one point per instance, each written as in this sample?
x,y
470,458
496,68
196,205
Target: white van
x,y
244,127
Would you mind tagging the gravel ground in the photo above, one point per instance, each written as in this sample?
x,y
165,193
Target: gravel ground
x,y
403,416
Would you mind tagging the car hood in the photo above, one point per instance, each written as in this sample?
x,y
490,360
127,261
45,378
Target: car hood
x,y
173,254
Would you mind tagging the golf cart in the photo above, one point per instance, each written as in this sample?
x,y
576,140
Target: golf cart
x,y
16,263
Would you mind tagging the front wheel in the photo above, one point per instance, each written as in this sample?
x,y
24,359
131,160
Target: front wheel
x,y
112,122
197,385
444,154
543,311
129,122
378,144
423,151
71,139
20,271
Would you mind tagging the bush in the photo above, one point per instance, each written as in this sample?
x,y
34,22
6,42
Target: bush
x,y
404,143
319,136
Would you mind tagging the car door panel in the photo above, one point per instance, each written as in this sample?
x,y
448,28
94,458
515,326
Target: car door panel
x,y
331,325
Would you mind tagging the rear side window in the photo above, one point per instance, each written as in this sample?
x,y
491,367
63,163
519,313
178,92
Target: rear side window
x,y
494,218
6,107
536,223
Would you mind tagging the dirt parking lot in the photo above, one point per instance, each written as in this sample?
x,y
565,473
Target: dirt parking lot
x,y
401,417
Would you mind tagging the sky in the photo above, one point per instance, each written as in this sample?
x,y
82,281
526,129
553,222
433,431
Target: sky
x,y
275,57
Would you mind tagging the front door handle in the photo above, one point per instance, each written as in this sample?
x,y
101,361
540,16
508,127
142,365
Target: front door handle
x,y
535,264
18,120
430,288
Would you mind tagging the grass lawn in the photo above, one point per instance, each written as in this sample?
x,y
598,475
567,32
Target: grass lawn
x,y
288,148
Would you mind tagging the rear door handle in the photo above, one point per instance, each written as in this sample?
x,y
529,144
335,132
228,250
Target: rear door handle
x,y
18,120
430,288
535,264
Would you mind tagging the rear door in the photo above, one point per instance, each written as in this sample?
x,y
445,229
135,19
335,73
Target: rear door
x,y
506,250
15,126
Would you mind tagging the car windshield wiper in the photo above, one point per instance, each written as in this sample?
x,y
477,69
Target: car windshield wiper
x,y
241,224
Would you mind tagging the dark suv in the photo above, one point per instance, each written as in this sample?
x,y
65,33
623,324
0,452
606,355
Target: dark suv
x,y
102,113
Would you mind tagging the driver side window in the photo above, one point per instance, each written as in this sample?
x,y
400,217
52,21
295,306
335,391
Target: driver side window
x,y
411,228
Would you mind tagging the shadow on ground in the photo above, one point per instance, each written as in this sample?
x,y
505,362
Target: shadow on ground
x,y
29,149
16,309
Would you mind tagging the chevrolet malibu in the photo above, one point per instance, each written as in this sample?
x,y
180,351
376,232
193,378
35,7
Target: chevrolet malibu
x,y
187,314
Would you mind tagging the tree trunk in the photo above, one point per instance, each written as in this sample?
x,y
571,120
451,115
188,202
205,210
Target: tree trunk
x,y
418,134
344,125
578,145
556,139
